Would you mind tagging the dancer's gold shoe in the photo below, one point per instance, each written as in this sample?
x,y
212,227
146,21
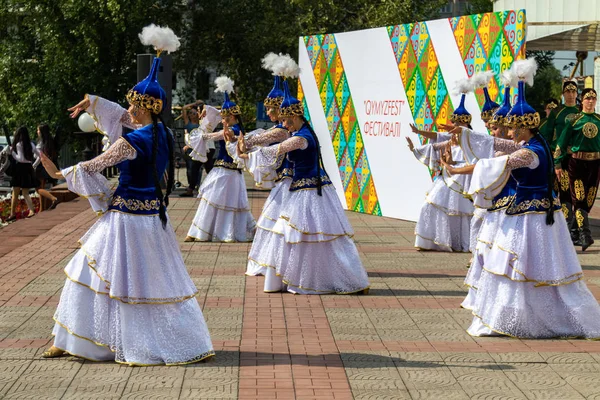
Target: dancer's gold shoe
x,y
53,352
189,239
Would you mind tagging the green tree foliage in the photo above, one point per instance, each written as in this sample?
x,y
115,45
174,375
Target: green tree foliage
x,y
547,83
53,52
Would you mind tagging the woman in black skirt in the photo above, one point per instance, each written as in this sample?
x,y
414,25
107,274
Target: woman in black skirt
x,y
47,145
23,179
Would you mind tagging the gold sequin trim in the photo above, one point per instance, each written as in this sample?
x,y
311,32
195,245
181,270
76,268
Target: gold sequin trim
x,y
145,101
292,110
579,189
226,164
591,196
565,211
135,204
535,203
557,152
590,130
579,218
564,181
463,118
531,120
304,182
589,95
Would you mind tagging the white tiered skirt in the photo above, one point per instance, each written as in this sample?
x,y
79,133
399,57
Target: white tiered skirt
x,y
445,219
525,282
307,245
271,211
223,214
128,297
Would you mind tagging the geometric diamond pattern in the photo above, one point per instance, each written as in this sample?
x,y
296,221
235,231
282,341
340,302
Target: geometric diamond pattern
x,y
343,125
490,41
419,68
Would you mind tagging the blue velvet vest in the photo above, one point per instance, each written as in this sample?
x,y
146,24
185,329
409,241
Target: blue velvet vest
x,y
532,184
506,196
306,164
136,193
222,159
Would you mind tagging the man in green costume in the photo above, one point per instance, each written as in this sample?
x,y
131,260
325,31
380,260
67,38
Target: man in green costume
x,y
581,137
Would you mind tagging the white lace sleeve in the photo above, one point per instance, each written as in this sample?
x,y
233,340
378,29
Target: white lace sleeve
x,y
110,118
273,135
293,143
523,158
506,145
475,145
118,152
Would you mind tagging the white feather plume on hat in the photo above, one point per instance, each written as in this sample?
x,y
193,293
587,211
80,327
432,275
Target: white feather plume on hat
x,y
161,38
463,86
482,79
224,84
508,78
525,70
286,66
268,61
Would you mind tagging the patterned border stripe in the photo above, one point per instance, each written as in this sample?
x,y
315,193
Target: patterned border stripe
x,y
346,135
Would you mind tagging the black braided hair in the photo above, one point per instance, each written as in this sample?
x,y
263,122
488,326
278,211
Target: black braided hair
x,y
320,159
550,212
162,212
171,166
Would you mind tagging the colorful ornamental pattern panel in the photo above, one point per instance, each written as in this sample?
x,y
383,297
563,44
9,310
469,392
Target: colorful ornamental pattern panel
x,y
490,41
419,67
344,128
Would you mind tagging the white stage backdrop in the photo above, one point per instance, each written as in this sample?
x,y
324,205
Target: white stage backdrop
x,y
362,89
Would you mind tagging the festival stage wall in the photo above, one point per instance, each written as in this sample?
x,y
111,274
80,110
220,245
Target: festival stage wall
x,y
362,89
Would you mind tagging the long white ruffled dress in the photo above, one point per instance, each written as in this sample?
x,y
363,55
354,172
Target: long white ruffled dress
x,y
529,284
223,213
128,296
278,180
307,244
445,218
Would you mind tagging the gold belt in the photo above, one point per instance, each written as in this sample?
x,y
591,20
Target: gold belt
x,y
587,155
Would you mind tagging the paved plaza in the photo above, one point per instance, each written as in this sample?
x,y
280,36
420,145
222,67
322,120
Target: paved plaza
x,y
405,340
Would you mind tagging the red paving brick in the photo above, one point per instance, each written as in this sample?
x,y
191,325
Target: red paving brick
x,y
287,348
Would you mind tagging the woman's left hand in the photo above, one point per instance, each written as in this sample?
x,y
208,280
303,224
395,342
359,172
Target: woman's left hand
x,y
49,166
451,170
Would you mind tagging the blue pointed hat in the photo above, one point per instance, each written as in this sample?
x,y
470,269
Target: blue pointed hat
x,y
148,93
499,117
275,96
489,107
460,114
225,85
290,106
522,115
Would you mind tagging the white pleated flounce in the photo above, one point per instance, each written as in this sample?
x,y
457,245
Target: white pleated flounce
x,y
271,211
445,219
527,283
223,214
307,240
129,298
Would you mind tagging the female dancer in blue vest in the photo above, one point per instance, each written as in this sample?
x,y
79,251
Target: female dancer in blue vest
x,y
128,296
223,214
310,246
531,284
